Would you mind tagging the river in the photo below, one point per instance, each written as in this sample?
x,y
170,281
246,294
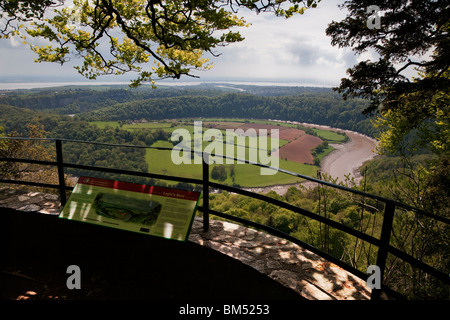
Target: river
x,y
347,158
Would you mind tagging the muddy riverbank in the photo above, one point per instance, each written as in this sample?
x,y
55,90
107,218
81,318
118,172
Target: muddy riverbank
x,y
346,159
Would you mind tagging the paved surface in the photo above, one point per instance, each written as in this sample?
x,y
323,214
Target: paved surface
x,y
299,269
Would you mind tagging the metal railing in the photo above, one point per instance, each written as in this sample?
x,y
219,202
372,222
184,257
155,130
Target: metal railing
x,y
383,242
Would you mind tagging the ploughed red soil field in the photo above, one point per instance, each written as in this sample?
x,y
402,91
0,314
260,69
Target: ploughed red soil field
x,y
255,126
286,133
291,134
300,149
258,126
222,125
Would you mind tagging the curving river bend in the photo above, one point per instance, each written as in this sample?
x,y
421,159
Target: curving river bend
x,y
347,158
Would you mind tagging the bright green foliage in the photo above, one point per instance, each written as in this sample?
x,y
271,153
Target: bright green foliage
x,y
419,124
156,39
408,32
413,115
14,12
423,238
423,182
413,36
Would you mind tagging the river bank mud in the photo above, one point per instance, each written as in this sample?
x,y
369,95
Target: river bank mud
x,y
345,160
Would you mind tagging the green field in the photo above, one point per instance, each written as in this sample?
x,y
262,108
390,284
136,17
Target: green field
x,y
136,126
329,135
147,125
245,175
324,153
104,124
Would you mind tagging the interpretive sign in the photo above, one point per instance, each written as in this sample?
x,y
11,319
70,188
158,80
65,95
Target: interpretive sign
x,y
158,211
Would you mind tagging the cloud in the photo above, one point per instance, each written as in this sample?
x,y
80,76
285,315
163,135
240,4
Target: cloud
x,y
14,42
18,62
295,48
274,48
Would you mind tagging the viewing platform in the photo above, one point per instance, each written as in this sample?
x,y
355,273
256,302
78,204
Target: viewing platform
x,y
296,273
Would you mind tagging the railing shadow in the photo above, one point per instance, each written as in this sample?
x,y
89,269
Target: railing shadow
x,y
383,242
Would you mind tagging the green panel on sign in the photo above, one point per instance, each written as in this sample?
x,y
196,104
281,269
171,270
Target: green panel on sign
x,y
158,211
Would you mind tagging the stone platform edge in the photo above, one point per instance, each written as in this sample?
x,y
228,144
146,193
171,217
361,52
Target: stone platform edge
x,y
303,271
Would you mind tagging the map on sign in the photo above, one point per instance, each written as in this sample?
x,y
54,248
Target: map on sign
x,y
158,211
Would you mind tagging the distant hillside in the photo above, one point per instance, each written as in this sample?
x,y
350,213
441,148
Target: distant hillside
x,y
111,103
318,108
73,99
14,118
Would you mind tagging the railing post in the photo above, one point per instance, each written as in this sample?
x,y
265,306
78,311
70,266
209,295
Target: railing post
x,y
205,169
60,164
385,237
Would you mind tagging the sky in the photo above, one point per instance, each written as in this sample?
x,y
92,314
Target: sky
x,y
275,49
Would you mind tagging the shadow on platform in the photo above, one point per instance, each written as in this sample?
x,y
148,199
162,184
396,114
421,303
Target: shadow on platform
x,y
38,248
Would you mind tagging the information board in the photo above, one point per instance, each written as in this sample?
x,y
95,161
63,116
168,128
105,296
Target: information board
x,y
158,211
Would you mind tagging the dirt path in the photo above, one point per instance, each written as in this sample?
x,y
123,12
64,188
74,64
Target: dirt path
x,y
346,159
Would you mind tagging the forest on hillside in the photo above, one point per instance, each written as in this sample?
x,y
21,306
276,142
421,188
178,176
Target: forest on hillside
x,y
68,112
311,105
404,82
45,113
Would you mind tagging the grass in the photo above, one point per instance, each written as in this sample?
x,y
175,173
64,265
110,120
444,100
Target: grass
x,y
159,161
229,137
324,153
246,175
250,176
279,124
329,135
103,124
136,126
147,125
